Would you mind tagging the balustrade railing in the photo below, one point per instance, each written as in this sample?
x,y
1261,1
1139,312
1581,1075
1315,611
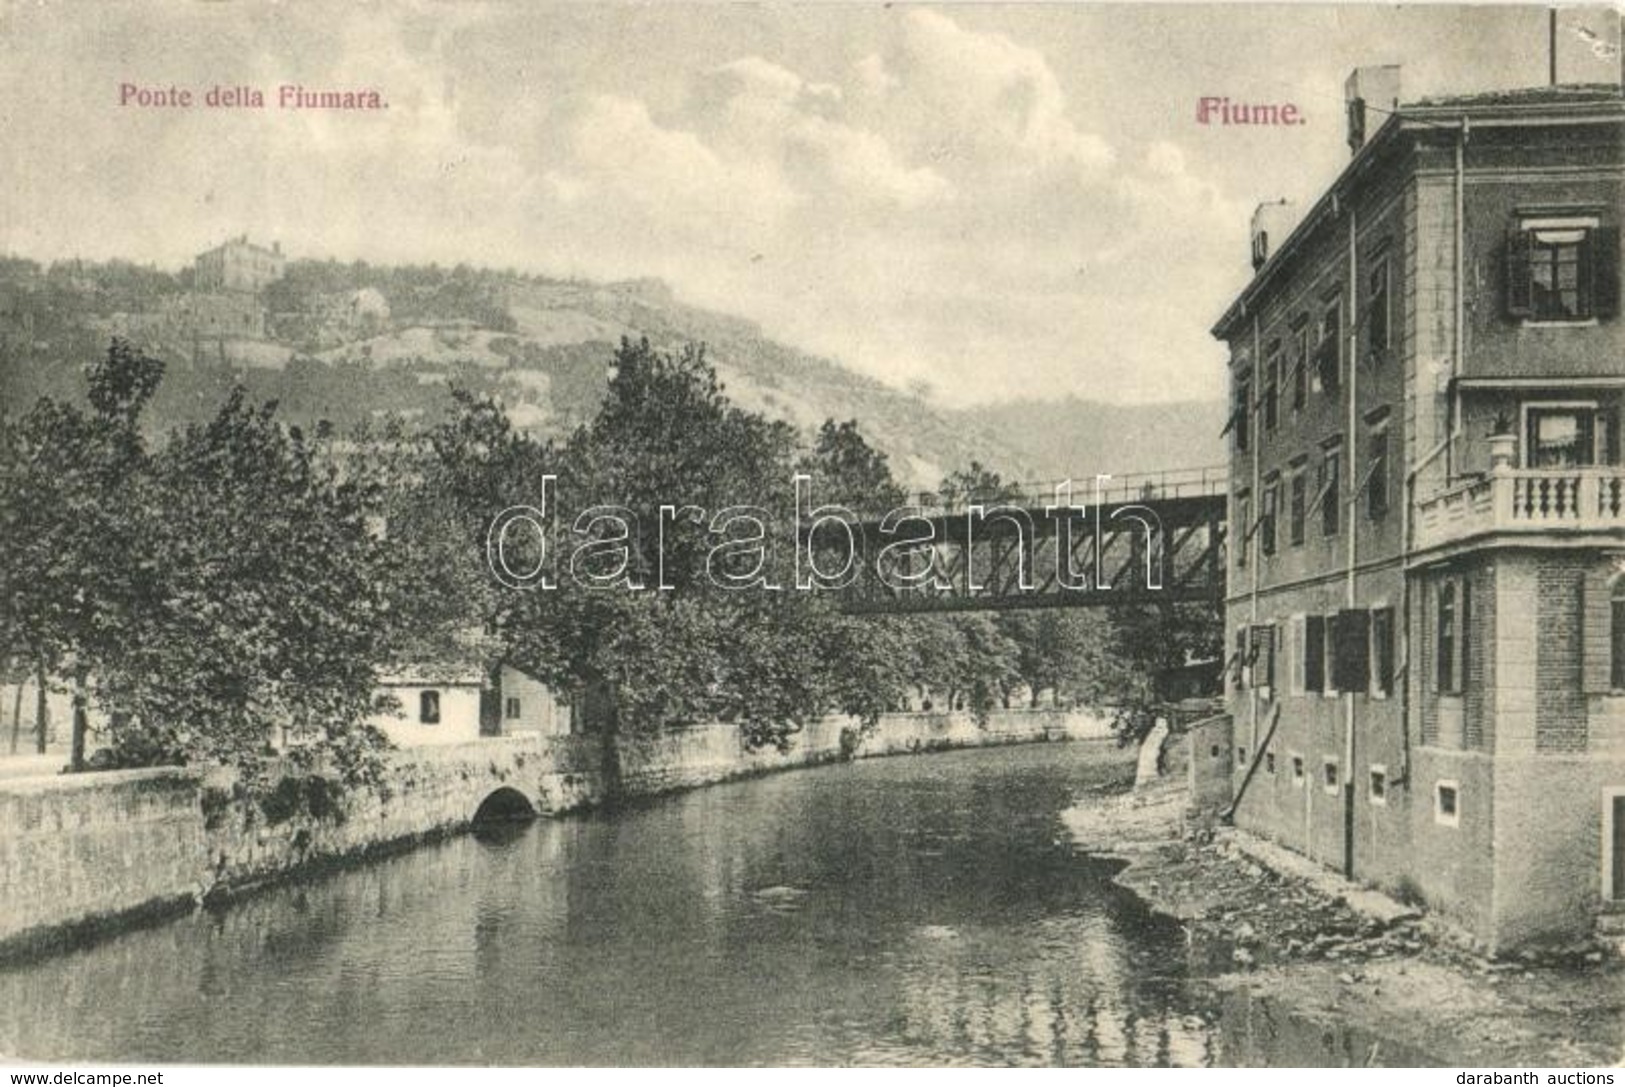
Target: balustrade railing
x,y
1524,500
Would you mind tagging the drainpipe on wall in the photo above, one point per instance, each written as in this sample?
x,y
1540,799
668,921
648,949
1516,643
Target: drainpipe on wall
x,y
1453,400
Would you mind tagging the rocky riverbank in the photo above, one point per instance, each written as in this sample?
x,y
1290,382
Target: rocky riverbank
x,y
1265,927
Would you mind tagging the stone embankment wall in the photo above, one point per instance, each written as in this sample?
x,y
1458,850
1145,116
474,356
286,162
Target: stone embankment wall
x,y
685,758
95,845
81,851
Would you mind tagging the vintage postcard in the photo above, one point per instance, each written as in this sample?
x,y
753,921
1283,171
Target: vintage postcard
x,y
811,534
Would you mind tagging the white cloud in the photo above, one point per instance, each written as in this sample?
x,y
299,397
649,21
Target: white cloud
x,y
942,215
873,78
941,208
614,146
979,101
763,117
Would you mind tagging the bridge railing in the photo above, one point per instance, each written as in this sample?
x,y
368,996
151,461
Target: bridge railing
x,y
1196,482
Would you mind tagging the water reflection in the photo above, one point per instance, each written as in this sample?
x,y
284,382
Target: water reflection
x,y
901,911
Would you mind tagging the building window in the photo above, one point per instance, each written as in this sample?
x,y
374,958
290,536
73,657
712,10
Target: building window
x,y
1327,486
1562,270
1447,803
1560,436
1262,659
429,707
1377,306
511,709
1444,641
1329,778
1272,386
1269,762
1556,290
1616,638
1266,527
1241,758
1464,632
1376,480
1377,789
1213,752
1297,771
1300,364
1297,506
1328,350
1382,651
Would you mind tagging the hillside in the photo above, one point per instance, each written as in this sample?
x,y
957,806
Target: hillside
x,y
1077,438
348,343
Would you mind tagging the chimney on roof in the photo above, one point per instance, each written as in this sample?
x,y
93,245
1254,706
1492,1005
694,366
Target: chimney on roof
x,y
1370,94
1272,222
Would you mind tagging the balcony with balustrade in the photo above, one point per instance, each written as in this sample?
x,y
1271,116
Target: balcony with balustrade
x,y
1525,502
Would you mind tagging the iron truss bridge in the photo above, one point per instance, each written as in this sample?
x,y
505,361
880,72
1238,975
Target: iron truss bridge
x,y
1156,538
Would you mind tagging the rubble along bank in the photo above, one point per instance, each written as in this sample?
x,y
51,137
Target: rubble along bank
x,y
1266,928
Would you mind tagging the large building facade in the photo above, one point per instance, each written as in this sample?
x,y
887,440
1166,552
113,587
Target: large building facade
x,y
1427,549
239,265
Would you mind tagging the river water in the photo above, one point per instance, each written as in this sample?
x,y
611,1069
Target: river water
x,y
924,910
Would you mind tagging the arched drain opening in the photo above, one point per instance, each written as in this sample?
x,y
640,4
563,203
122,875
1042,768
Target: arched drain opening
x,y
506,805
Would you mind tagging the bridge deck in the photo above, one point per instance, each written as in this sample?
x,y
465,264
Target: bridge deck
x,y
1149,539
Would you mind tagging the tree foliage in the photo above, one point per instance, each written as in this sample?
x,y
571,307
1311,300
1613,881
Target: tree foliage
x,y
263,615
241,586
211,597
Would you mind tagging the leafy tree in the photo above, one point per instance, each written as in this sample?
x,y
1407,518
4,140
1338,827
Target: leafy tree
x,y
211,597
670,451
977,483
1142,644
1056,649
934,662
990,663
75,573
851,471
263,615
867,661
961,662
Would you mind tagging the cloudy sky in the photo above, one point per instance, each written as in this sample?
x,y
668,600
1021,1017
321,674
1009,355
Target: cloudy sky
x,y
998,200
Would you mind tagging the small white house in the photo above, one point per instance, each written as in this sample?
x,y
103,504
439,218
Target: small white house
x,y
530,706
437,706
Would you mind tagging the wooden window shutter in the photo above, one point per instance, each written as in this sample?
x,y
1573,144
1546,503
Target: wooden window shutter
x,y
1517,285
1604,263
1314,653
1351,650
1596,632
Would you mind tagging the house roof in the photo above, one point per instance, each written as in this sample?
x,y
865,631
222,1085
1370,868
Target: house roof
x,y
1563,93
432,675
